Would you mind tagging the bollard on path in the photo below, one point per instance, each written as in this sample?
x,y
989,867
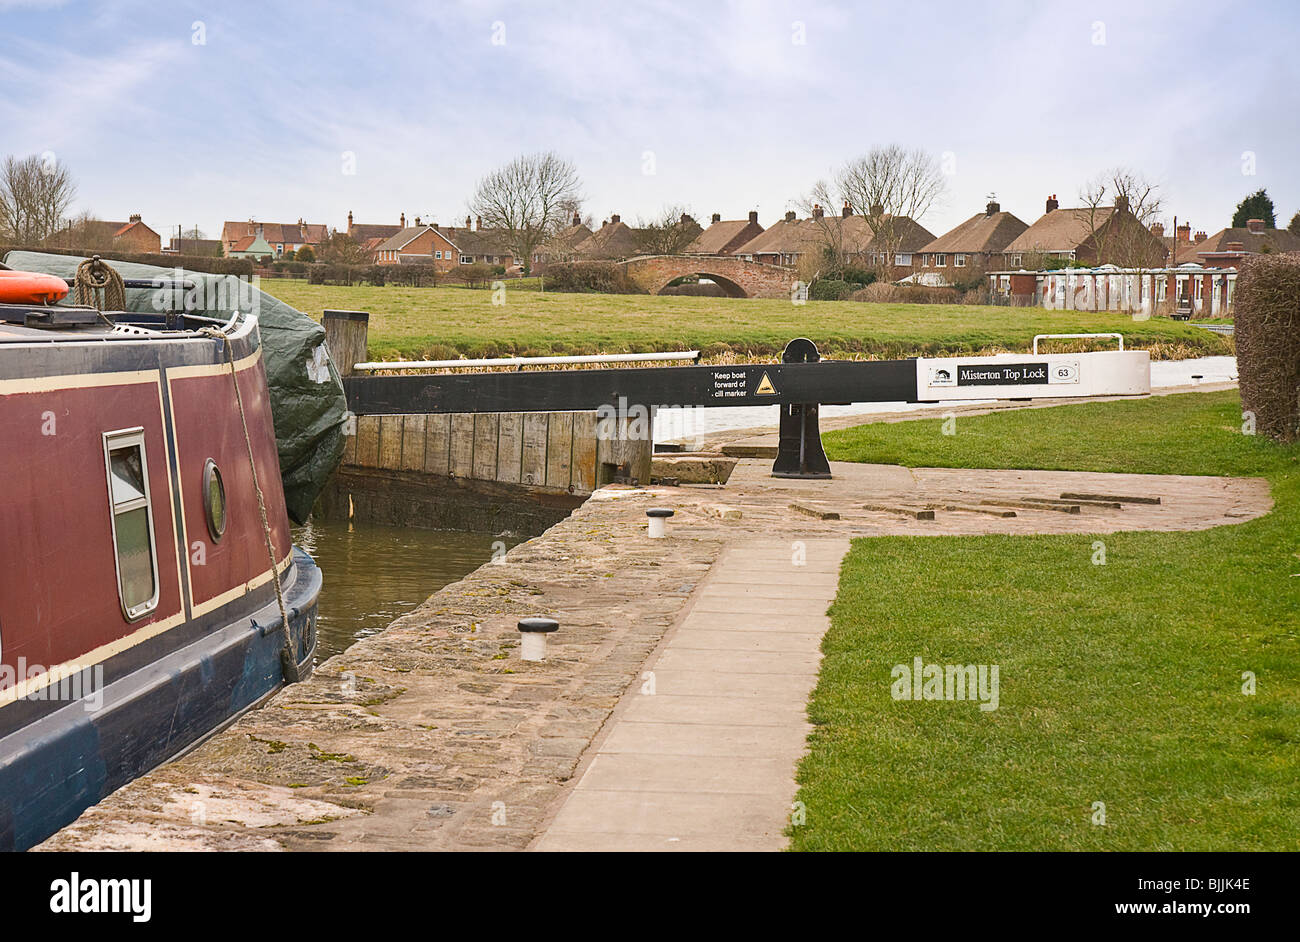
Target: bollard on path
x,y
658,522
533,632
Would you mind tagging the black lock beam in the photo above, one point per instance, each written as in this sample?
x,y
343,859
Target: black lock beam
x,y
799,384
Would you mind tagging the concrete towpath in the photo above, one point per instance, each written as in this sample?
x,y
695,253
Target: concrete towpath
x,y
701,755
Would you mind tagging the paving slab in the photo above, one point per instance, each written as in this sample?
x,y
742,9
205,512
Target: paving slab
x,y
645,770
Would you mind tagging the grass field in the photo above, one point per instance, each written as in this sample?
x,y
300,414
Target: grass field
x,y
452,321
1119,683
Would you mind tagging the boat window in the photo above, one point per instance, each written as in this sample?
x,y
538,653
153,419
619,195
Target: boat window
x,y
133,537
214,500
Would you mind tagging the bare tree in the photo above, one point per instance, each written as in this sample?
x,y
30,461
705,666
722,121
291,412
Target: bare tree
x,y
526,201
35,193
571,209
1119,206
889,185
881,189
667,233
339,248
829,237
85,233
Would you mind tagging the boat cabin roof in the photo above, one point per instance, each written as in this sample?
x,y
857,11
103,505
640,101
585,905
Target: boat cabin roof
x,y
36,323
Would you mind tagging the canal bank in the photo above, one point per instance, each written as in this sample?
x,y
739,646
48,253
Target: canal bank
x,y
434,735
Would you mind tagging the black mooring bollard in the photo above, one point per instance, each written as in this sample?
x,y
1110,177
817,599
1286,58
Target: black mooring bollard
x,y
799,453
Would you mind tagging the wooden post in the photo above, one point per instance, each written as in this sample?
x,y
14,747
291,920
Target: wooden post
x,y
345,335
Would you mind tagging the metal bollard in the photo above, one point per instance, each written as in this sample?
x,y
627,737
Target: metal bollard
x,y
658,521
533,632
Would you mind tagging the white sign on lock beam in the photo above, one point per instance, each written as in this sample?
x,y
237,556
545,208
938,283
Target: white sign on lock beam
x,y
1016,376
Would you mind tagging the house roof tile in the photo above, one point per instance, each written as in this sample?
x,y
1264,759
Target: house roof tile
x,y
983,232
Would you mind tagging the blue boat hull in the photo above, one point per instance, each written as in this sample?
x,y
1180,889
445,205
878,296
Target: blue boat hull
x,y
58,759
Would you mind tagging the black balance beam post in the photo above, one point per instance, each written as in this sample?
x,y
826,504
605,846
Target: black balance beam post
x,y
799,453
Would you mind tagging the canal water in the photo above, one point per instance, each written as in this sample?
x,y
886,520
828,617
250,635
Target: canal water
x,y
374,574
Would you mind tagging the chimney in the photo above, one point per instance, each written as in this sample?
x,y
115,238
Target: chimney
x,y
686,220
1121,203
789,216
1158,230
1200,237
469,223
300,222
135,217
817,211
991,208
1254,225
615,219
1052,204
403,220
417,223
478,223
1234,247
577,219
717,217
877,210
434,224
847,211
753,216
1184,233
349,220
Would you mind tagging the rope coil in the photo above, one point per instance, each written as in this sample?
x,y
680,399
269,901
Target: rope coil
x,y
98,285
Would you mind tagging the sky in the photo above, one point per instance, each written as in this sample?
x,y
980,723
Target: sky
x,y
196,112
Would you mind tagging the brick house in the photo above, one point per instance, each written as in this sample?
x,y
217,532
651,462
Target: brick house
x,y
281,236
614,239
132,236
779,244
1228,247
785,241
253,246
369,236
419,244
563,246
481,246
1181,246
976,244
725,236
1091,235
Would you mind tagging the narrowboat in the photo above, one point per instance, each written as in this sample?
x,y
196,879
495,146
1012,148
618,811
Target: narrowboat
x,y
149,594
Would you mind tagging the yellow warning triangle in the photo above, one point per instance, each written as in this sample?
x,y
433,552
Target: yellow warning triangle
x,y
765,387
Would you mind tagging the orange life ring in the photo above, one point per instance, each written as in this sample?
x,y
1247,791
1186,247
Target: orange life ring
x,y
30,287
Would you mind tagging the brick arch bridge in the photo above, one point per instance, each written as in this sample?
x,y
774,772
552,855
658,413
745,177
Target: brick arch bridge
x,y
736,276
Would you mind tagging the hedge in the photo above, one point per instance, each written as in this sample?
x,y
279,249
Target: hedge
x,y
600,277
1266,328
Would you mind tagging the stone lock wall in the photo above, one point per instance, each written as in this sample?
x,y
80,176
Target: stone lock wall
x,y
487,471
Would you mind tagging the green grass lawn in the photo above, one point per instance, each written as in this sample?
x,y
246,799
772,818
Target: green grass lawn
x,y
1119,683
450,321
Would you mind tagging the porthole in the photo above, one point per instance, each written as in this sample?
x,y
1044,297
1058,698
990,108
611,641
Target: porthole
x,y
214,500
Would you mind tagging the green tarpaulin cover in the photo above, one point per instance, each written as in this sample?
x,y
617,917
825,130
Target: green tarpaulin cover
x,y
307,399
